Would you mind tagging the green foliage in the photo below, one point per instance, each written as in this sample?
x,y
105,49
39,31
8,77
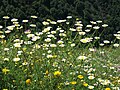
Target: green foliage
x,y
105,10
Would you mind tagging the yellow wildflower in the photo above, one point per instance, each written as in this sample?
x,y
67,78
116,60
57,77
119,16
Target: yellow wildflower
x,y
57,73
80,76
5,70
28,81
73,82
85,84
107,89
47,72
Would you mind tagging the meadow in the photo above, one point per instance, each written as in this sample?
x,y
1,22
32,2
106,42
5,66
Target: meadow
x,y
61,56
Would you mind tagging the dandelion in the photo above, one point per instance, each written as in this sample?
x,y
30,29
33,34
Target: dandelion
x,y
85,84
57,73
80,76
73,82
46,72
5,70
107,88
28,81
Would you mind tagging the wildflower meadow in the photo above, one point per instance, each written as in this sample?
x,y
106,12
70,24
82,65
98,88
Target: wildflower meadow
x,y
58,56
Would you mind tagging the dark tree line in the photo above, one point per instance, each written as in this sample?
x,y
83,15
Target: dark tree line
x,y
106,10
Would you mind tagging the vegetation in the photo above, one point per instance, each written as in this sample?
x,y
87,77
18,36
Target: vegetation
x,y
88,10
61,55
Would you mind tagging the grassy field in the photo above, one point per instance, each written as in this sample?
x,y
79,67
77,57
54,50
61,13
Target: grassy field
x,y
57,58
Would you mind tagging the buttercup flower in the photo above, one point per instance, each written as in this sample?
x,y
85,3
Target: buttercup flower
x,y
107,89
73,82
5,70
80,76
57,73
85,84
28,81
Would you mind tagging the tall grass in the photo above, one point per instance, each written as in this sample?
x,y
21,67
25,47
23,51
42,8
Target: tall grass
x,y
61,58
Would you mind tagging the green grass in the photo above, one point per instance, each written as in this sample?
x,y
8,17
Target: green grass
x,y
39,63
